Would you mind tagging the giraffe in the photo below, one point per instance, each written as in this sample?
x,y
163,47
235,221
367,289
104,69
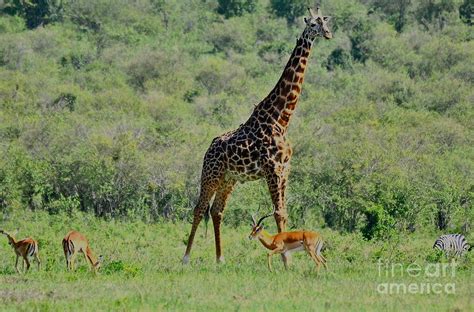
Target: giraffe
x,y
258,149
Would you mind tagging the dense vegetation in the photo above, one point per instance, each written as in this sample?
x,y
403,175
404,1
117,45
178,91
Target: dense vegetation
x,y
108,107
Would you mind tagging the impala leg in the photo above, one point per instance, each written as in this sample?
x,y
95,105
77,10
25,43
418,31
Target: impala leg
x,y
207,191
90,265
27,263
269,260
319,245
286,260
217,211
278,250
313,256
38,261
72,263
16,265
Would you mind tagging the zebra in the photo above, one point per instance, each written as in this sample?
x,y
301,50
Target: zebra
x,y
455,244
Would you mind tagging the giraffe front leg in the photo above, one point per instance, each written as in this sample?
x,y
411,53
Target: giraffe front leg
x,y
277,186
217,211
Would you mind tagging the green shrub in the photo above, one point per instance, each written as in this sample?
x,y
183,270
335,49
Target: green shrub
x,y
289,9
231,8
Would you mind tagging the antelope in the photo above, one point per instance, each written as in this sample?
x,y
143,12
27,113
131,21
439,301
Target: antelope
x,y
25,248
288,242
75,242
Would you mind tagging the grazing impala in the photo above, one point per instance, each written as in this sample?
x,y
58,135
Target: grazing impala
x,y
25,248
75,242
288,242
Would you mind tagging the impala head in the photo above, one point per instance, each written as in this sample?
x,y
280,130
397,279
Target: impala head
x,y
11,239
257,227
316,25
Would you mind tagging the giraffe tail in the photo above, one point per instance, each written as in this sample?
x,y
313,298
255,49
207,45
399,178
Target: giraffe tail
x,y
207,216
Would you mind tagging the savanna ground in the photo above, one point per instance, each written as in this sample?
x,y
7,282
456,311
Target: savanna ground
x,y
142,271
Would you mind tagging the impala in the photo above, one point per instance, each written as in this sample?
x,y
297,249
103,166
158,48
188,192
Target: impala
x,y
75,242
288,242
25,248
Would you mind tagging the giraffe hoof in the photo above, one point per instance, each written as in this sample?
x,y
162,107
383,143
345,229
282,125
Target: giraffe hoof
x,y
186,259
221,260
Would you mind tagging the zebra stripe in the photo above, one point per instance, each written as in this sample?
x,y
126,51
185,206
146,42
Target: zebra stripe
x,y
452,243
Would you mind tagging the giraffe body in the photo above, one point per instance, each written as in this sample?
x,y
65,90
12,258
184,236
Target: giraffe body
x,y
258,149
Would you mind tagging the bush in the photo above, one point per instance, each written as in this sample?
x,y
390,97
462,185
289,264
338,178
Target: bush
x,y
465,12
35,12
338,58
289,9
231,8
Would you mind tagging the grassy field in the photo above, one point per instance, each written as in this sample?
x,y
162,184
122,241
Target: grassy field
x,y
142,271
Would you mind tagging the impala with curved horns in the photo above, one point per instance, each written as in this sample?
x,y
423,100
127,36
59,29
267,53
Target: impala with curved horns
x,y
24,248
288,242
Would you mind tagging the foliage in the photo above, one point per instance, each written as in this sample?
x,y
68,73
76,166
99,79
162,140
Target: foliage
x,y
289,9
338,58
466,10
396,11
35,12
231,8
109,108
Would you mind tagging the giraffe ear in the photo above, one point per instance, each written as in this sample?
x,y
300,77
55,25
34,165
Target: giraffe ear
x,y
326,18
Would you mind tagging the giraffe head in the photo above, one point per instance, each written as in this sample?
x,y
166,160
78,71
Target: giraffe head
x,y
316,25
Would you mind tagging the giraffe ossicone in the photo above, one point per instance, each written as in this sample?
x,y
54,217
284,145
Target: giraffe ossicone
x,y
258,149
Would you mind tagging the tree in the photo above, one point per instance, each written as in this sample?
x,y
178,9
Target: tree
x,y
338,58
231,8
466,11
290,9
434,11
35,12
395,10
361,33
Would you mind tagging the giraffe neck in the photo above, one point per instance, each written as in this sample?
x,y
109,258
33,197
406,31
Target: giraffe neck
x,y
277,108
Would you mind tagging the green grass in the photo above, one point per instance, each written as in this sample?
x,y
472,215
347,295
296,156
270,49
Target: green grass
x,y
142,271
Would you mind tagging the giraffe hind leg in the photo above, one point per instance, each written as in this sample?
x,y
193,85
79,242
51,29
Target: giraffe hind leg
x,y
217,210
207,191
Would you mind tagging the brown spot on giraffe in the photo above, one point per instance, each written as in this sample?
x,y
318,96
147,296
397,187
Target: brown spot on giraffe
x,y
258,149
